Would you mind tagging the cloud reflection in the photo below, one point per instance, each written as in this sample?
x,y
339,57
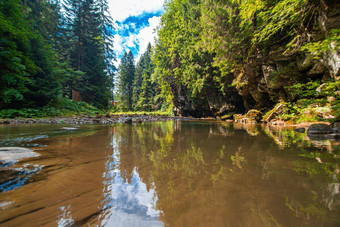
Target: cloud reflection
x,y
127,204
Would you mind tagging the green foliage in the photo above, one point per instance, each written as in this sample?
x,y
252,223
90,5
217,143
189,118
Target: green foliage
x,y
311,102
91,50
38,45
305,90
126,79
146,93
180,57
329,44
152,113
315,89
204,45
15,65
65,107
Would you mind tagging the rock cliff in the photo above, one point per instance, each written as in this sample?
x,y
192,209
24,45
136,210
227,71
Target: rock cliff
x,y
264,79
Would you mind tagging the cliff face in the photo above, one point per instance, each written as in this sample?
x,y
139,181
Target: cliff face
x,y
269,71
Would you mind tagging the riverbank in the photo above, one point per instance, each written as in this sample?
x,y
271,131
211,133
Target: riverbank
x,y
140,118
99,119
144,117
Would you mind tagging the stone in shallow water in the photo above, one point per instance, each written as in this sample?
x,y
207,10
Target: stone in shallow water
x,y
319,129
301,130
13,154
69,128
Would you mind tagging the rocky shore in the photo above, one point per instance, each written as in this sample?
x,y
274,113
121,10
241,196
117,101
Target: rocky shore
x,y
320,130
99,119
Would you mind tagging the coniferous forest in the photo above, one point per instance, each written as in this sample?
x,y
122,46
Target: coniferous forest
x,y
275,59
49,49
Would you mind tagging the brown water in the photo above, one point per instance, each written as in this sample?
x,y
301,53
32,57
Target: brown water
x,y
175,173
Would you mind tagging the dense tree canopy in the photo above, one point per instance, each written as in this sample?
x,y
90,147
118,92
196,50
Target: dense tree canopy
x,y
254,46
210,57
46,51
136,89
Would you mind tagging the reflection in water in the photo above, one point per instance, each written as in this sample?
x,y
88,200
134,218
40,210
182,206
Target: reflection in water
x,y
65,219
126,203
178,173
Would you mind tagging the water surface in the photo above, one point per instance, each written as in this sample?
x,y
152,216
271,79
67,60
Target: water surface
x,y
174,173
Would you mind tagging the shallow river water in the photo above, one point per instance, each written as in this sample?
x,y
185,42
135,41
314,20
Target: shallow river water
x,y
173,173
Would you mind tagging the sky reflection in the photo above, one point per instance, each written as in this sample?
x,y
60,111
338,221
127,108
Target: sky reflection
x,y
127,203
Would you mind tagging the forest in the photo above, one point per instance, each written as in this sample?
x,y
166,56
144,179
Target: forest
x,y
49,48
274,59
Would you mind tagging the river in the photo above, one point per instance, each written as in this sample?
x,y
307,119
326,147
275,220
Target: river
x,y
171,173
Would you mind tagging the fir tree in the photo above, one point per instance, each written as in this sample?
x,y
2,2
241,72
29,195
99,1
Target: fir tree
x,y
126,75
144,88
91,51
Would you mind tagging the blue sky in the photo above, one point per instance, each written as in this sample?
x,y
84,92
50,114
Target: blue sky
x,y
135,24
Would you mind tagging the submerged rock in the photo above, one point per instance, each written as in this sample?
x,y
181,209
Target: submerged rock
x,y
128,120
336,127
69,128
322,132
13,154
301,130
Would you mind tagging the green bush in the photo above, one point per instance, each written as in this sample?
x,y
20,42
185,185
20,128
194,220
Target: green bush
x,y
65,107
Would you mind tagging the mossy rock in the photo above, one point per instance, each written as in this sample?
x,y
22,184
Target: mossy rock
x,y
254,115
238,117
227,116
273,113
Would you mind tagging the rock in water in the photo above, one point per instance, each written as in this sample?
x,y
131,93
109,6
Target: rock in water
x,y
301,130
69,128
128,120
13,154
319,129
336,127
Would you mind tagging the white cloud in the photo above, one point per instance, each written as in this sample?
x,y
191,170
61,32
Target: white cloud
x,y
147,35
120,10
118,41
142,38
131,41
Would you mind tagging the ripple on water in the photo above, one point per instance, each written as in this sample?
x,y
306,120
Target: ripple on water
x,y
23,141
12,178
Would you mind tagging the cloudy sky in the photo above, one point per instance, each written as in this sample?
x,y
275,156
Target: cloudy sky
x,y
135,22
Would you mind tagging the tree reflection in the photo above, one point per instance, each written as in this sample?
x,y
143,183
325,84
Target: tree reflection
x,y
210,173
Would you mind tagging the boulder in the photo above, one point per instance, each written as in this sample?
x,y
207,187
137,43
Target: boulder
x,y
10,155
238,117
336,126
254,115
319,129
276,111
301,130
69,128
317,69
128,120
227,116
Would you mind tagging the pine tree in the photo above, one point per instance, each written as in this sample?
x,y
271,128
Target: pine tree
x,y
145,89
46,86
91,51
126,75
